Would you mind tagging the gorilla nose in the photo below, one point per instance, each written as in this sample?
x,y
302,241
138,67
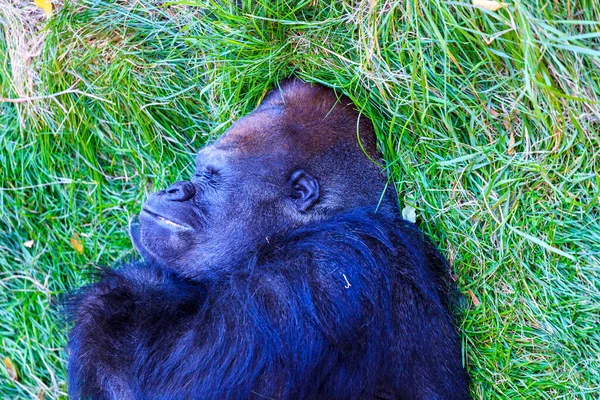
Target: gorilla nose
x,y
180,191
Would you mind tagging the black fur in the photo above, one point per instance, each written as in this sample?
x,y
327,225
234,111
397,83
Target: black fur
x,y
353,307
266,277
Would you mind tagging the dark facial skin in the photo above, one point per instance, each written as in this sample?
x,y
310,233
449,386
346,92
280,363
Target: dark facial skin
x,y
269,173
218,216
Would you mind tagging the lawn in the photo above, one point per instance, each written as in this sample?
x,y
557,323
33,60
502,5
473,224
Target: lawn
x,y
488,121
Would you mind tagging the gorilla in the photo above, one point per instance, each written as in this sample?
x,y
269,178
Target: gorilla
x,y
280,270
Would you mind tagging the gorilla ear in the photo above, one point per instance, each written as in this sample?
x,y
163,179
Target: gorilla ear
x,y
305,189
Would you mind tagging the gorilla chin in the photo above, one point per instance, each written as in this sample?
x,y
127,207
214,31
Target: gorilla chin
x,y
281,269
162,238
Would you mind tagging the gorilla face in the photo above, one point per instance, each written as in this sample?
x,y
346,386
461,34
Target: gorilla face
x,y
234,201
278,168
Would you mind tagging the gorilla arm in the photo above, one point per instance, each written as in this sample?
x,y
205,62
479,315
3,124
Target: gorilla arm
x,y
114,317
345,308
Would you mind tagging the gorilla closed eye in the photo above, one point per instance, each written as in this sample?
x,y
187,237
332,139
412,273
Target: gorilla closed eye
x,y
208,171
209,174
212,170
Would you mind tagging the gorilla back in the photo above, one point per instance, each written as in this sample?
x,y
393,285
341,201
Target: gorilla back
x,y
280,270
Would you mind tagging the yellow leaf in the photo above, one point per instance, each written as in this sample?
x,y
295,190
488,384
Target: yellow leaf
x,y
494,113
372,5
45,5
489,5
474,299
12,371
511,144
76,243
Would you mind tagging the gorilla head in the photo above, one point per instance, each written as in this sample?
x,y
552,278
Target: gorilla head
x,y
282,166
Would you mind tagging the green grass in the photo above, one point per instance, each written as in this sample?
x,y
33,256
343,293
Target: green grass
x,y
496,145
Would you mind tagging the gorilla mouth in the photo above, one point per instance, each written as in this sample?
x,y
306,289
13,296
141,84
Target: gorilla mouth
x,y
165,220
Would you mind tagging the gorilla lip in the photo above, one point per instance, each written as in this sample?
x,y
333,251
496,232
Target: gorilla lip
x,y
165,220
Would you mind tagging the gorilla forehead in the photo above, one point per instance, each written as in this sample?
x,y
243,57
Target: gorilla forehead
x,y
300,119
262,131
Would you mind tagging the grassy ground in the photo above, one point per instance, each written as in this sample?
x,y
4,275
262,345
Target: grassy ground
x,y
489,122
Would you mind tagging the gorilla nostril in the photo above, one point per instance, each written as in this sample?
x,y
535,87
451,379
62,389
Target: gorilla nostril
x,y
180,191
